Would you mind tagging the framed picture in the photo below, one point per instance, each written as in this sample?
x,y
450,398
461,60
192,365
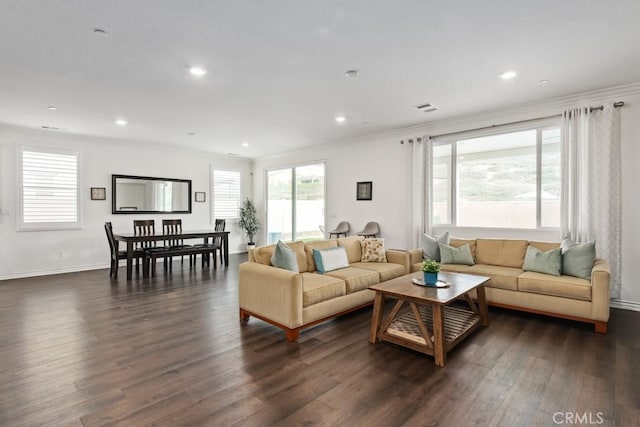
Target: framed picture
x,y
98,193
201,196
363,190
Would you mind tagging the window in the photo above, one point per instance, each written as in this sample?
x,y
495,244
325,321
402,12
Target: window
x,y
506,180
295,203
48,189
225,187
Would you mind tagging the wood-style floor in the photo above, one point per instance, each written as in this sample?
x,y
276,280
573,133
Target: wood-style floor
x,y
78,349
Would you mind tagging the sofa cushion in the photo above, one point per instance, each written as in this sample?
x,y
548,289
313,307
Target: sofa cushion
x,y
430,245
316,244
501,277
330,259
387,270
578,258
561,286
456,268
459,255
373,250
352,245
263,254
356,279
320,287
549,262
284,257
456,243
501,252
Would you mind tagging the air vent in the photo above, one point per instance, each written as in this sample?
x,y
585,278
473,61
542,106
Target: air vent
x,y
50,127
427,108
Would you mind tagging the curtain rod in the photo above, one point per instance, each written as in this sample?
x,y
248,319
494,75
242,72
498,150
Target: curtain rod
x,y
591,109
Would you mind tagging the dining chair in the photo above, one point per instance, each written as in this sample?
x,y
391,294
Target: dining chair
x,y
371,229
216,245
150,248
117,254
174,227
342,228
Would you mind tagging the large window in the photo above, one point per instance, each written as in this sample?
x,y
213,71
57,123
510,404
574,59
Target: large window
x,y
506,180
295,203
48,196
225,190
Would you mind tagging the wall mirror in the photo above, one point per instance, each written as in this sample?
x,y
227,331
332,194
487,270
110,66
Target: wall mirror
x,y
144,195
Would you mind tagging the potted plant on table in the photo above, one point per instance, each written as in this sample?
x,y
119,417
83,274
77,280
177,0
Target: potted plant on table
x,y
430,269
249,221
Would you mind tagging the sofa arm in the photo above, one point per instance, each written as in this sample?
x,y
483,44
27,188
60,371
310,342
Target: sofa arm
x,y
397,256
600,276
271,292
415,255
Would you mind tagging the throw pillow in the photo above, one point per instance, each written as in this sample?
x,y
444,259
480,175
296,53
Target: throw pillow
x,y
284,257
459,255
373,250
549,262
330,259
578,258
430,247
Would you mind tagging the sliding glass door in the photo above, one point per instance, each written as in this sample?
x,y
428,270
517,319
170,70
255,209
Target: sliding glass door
x,y
295,203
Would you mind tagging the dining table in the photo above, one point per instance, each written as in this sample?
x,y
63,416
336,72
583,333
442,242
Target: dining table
x,y
131,238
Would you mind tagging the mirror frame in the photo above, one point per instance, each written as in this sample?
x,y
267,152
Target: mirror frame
x,y
151,178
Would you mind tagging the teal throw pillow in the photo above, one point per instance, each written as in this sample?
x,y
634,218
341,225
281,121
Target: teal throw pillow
x,y
430,248
452,255
578,258
284,257
330,259
549,262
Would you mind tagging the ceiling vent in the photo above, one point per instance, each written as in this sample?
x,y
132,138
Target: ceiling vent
x,y
427,108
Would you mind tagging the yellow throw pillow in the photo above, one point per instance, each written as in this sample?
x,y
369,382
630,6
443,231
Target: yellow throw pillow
x,y
373,250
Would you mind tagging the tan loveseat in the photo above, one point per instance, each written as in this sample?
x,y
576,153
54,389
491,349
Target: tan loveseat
x,y
511,287
293,301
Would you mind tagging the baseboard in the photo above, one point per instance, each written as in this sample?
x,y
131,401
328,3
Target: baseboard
x,y
53,271
625,305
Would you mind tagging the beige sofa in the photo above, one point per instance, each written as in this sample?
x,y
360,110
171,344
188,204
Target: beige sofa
x,y
293,301
511,287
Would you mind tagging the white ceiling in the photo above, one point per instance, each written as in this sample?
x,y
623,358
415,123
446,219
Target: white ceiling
x,y
276,68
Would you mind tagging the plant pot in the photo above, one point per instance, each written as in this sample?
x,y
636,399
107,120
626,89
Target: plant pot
x,y
250,246
430,278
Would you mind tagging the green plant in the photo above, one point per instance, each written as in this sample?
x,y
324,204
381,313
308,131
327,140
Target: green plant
x,y
249,220
430,266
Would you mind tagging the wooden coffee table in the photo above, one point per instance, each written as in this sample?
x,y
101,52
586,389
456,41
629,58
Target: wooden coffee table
x,y
432,325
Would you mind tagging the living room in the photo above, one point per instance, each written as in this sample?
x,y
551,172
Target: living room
x,y
44,270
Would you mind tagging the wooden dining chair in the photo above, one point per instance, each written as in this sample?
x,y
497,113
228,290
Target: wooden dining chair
x,y
117,254
216,245
174,227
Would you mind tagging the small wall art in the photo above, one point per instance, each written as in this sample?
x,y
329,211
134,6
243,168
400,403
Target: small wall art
x,y
98,193
364,190
201,196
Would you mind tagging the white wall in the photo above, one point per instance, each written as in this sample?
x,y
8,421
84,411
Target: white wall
x,y
383,160
46,252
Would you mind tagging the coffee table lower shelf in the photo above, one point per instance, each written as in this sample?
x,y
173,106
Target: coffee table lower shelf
x,y
405,331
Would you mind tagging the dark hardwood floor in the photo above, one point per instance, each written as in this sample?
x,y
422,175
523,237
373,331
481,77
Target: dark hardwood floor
x,y
78,349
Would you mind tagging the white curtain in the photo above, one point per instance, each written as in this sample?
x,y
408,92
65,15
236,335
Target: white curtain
x,y
418,194
591,183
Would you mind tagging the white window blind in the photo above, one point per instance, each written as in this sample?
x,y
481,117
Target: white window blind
x,y
225,188
49,189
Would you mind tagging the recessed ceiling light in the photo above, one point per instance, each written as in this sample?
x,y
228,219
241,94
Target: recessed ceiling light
x,y
543,81
352,73
508,75
121,122
52,107
245,144
340,119
197,71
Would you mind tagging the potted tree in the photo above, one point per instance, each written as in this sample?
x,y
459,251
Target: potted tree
x,y
430,269
249,221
